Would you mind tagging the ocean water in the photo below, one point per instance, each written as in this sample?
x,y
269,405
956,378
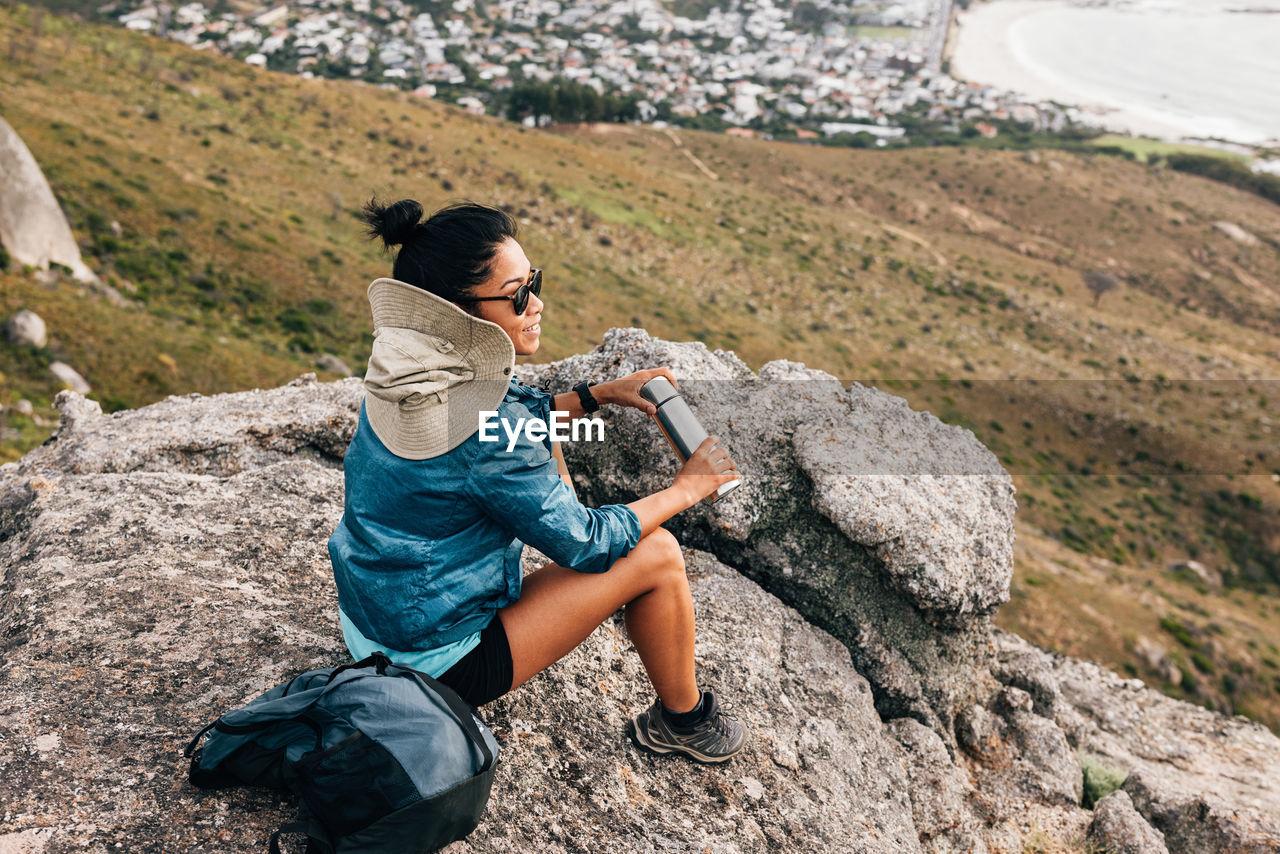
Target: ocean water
x,y
1210,68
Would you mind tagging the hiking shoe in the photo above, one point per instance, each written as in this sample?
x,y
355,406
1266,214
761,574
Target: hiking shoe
x,y
716,739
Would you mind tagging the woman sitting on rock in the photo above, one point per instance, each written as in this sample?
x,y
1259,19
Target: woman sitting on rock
x,y
427,554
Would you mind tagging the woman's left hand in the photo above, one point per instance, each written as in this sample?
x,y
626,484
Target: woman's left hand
x,y
625,391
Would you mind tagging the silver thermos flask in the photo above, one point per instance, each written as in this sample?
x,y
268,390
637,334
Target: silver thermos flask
x,y
681,427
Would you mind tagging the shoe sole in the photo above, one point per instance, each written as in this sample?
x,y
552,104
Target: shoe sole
x,y
653,747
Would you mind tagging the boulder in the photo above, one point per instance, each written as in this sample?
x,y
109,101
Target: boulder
x,y
1195,569
1118,828
1198,822
69,377
147,589
27,329
1236,233
32,227
221,435
163,565
1157,658
882,525
334,365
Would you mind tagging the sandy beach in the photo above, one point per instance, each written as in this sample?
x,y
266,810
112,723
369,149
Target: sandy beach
x,y
990,47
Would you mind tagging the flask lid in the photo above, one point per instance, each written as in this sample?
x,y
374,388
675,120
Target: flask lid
x,y
658,391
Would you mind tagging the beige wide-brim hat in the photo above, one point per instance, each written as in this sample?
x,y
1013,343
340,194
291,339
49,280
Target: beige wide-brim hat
x,y
433,370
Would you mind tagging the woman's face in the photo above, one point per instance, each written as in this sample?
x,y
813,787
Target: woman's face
x,y
511,269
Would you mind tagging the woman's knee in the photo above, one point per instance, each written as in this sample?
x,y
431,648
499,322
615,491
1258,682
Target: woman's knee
x,y
662,549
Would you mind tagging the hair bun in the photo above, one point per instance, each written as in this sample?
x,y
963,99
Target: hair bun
x,y
394,223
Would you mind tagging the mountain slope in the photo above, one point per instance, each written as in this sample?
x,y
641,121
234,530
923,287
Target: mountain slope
x,y
219,201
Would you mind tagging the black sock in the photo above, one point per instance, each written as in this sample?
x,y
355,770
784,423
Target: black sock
x,y
684,720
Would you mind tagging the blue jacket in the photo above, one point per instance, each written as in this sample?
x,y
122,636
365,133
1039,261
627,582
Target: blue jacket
x,y
428,550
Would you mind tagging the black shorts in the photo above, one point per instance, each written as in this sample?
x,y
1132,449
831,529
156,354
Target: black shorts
x,y
485,673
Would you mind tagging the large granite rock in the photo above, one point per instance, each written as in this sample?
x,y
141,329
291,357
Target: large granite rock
x,y
148,588
32,226
163,565
883,525
219,435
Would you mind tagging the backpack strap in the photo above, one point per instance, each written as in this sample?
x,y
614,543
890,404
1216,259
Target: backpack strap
x,y
378,659
273,847
318,839
191,745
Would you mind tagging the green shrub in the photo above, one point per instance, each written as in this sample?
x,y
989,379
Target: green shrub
x,y
1100,780
1179,632
1228,172
293,320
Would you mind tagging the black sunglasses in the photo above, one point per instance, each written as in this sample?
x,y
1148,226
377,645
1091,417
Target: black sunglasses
x,y
520,296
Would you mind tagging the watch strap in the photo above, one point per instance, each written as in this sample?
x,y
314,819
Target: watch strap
x,y
589,403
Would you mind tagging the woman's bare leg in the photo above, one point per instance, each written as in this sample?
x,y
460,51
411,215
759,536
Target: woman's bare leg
x,y
559,607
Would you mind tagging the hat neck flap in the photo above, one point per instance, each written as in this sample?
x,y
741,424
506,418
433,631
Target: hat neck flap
x,y
400,305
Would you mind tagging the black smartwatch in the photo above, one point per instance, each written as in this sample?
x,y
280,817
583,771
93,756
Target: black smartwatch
x,y
584,394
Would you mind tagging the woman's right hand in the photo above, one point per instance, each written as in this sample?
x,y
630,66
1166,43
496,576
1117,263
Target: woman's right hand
x,y
706,470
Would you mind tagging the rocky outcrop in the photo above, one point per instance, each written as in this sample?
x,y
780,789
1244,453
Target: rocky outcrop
x,y
1205,781
884,526
27,329
32,226
220,435
1118,828
1236,233
166,564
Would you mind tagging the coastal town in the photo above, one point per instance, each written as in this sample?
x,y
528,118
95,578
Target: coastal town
x,y
810,68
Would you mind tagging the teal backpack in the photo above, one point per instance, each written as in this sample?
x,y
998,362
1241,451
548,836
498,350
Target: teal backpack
x,y
383,759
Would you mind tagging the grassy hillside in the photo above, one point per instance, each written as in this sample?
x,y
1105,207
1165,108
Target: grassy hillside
x,y
219,201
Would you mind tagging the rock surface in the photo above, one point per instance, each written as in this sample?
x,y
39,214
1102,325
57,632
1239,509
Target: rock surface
x,y
27,328
144,595
167,564
32,226
219,435
884,526
1207,782
1118,828
819,774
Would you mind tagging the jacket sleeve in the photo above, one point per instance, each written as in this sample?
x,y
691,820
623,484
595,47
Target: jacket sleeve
x,y
522,491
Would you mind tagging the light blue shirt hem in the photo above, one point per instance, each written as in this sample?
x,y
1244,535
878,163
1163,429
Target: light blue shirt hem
x,y
432,662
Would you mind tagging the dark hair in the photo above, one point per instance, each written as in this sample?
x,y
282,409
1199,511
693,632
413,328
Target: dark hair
x,y
450,253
